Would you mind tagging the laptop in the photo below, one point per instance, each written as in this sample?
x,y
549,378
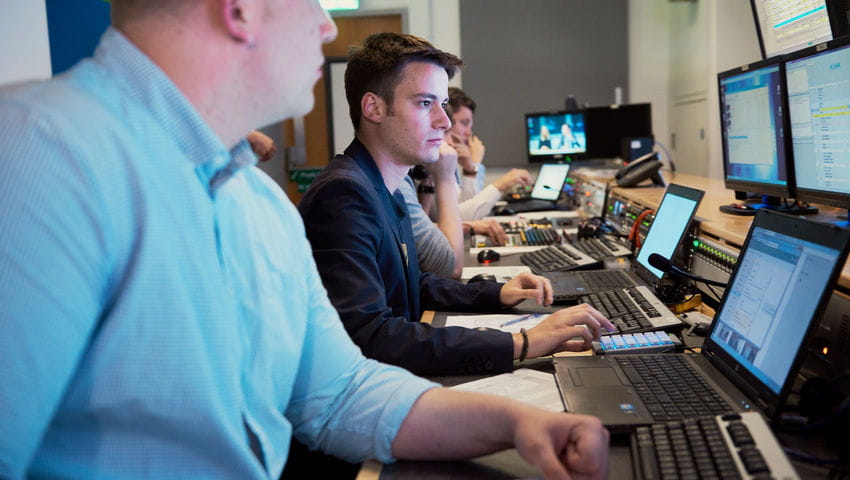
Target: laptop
x,y
674,215
784,277
547,188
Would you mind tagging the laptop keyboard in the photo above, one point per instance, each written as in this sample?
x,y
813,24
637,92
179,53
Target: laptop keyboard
x,y
728,447
670,388
627,308
556,258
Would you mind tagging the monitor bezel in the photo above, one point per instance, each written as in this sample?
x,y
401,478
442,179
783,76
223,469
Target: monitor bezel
x,y
760,35
554,157
761,188
836,199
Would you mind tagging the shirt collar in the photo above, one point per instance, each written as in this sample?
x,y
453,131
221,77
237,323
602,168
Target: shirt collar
x,y
144,82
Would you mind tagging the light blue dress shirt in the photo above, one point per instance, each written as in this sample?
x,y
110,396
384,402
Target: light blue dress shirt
x,y
157,295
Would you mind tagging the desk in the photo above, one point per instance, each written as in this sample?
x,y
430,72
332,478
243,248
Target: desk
x,y
503,465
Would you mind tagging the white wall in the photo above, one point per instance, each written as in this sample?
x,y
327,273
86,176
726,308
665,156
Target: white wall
x,y
25,54
676,50
649,61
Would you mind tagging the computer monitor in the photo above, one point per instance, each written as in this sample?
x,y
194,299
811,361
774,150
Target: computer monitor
x,y
819,106
608,125
555,136
785,27
753,135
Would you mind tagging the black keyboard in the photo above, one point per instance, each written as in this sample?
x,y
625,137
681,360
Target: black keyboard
x,y
619,307
600,248
670,388
724,447
601,280
556,258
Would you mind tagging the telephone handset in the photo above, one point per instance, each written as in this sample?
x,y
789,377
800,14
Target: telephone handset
x,y
640,169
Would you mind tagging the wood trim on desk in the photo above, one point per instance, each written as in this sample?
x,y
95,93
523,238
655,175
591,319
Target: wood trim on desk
x,y
370,470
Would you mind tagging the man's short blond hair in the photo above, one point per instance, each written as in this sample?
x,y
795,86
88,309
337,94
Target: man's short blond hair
x,y
124,11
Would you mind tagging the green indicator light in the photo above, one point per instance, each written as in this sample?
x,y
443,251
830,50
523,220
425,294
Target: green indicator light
x,y
696,243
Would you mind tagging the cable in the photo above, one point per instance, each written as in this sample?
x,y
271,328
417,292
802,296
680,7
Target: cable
x,y
634,235
806,457
667,154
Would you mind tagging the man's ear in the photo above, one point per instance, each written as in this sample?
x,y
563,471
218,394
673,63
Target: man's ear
x,y
373,108
240,19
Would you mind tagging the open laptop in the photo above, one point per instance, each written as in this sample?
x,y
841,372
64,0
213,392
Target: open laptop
x,y
674,215
784,277
547,188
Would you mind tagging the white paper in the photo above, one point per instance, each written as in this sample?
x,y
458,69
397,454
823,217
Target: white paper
x,y
525,385
502,273
496,321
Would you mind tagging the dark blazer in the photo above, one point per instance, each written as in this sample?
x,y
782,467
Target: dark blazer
x,y
364,249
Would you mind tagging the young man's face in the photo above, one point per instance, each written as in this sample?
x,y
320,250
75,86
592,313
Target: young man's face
x,y
416,123
462,128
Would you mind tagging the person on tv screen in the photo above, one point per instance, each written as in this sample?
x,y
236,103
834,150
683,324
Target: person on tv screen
x,y
544,142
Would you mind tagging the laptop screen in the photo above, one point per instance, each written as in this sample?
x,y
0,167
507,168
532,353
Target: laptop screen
x,y
672,218
771,302
550,180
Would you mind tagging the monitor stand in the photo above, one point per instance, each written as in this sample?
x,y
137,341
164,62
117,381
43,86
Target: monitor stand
x,y
750,207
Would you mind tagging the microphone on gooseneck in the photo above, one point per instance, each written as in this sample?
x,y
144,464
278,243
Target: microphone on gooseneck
x,y
666,266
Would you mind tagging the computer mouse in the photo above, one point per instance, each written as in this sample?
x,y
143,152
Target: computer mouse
x,y
482,277
700,329
503,210
487,255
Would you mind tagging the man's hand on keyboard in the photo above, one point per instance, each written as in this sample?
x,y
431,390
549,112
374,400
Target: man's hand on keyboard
x,y
526,285
569,329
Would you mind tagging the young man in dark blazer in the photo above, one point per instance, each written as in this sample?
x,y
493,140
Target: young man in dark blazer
x,y
357,223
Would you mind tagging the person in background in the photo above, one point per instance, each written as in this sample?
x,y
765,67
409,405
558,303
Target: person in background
x,y
359,227
476,201
162,315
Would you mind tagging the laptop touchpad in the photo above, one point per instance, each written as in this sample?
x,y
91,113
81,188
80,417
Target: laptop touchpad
x,y
596,376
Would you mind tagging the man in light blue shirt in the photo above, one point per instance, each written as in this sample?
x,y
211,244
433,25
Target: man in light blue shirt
x,y
161,313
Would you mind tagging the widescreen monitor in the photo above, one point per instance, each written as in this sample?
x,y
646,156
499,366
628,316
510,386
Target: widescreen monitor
x,y
819,106
785,26
608,125
555,136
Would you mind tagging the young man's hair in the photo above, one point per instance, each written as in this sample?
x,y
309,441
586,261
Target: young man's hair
x,y
376,66
458,98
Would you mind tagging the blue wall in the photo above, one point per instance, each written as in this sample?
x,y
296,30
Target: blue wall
x,y
74,28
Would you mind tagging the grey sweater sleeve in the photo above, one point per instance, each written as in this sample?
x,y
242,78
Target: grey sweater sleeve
x,y
433,250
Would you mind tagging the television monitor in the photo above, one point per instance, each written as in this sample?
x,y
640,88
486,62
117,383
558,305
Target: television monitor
x,y
819,109
784,27
608,125
555,136
753,136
